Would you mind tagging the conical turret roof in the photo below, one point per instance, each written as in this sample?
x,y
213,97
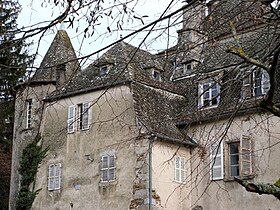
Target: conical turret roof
x,y
60,53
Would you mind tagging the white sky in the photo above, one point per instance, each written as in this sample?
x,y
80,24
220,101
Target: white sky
x,y
33,12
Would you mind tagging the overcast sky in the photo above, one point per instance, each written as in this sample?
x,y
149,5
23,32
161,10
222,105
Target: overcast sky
x,y
34,12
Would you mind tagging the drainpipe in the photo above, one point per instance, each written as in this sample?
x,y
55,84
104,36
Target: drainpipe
x,y
152,138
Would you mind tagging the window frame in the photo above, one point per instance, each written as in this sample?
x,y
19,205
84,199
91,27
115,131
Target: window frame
x,y
209,90
230,155
83,116
180,173
79,117
29,105
108,168
103,70
245,162
53,177
255,86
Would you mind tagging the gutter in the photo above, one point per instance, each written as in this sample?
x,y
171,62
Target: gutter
x,y
187,142
222,116
84,90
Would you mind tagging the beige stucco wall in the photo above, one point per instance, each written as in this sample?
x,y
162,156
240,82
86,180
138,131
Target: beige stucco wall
x,y
112,129
22,135
169,193
263,129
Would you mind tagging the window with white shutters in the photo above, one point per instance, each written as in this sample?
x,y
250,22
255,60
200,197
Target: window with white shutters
x,y
108,168
180,169
81,120
216,161
54,176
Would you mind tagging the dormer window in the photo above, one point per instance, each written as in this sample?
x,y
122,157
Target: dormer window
x,y
188,67
103,71
156,75
255,84
209,94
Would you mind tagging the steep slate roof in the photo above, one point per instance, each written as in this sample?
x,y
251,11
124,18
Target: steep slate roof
x,y
155,102
60,52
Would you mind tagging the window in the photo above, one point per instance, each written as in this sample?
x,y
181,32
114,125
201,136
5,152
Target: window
x,y
83,116
238,159
108,168
156,75
28,113
187,67
216,161
82,119
54,178
255,84
180,169
103,71
209,94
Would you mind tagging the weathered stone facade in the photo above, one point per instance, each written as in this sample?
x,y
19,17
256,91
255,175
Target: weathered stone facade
x,y
148,115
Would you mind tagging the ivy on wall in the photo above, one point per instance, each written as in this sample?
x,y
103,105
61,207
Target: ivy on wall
x,y
30,161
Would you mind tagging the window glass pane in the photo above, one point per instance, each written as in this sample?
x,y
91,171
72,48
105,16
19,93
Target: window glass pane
x,y
51,170
234,170
233,148
234,159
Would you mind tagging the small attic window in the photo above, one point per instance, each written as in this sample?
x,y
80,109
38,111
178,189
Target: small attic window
x,y
188,66
156,75
61,67
103,70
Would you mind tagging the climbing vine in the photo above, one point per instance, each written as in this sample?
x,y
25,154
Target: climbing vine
x,y
30,161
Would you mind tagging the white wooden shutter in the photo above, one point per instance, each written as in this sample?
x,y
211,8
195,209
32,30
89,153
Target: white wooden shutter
x,y
112,168
57,176
216,161
246,91
177,169
246,156
183,169
104,168
71,118
85,118
50,177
